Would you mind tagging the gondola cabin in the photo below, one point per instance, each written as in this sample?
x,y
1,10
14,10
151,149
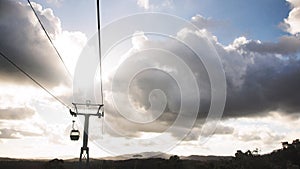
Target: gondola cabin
x,y
74,135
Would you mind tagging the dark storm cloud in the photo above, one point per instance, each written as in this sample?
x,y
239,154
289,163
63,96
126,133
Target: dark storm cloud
x,y
196,132
270,82
24,42
260,78
161,78
118,126
287,45
16,113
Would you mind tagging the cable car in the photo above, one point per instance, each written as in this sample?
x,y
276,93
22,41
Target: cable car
x,y
74,134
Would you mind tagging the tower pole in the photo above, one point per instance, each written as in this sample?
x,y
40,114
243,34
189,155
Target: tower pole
x,y
84,151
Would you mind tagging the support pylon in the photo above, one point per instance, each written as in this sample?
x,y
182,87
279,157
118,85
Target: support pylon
x,y
84,151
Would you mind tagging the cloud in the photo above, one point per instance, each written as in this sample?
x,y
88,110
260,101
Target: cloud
x,y
291,24
198,131
261,77
19,113
55,2
138,38
147,5
269,80
220,130
258,133
49,20
17,126
7,133
25,43
287,45
118,126
75,41
143,4
204,23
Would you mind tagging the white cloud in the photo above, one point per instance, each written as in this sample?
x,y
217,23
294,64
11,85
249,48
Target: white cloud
x,y
203,22
49,20
143,4
138,39
150,5
235,45
291,24
55,2
70,44
265,133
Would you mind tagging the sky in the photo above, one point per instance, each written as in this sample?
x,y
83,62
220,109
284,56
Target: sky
x,y
181,77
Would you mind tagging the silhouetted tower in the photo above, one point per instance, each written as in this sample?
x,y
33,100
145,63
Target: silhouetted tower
x,y
84,151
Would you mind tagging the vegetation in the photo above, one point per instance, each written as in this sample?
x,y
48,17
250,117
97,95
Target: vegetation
x,y
286,158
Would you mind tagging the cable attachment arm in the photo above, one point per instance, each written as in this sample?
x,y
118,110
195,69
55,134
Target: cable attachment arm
x,y
98,111
72,113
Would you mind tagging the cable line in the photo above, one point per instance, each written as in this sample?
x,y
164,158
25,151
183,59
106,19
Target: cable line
x,y
49,37
99,43
35,81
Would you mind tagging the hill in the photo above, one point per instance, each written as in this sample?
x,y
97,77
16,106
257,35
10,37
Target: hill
x,y
286,158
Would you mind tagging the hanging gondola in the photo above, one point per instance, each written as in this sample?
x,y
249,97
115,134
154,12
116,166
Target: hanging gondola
x,y
74,134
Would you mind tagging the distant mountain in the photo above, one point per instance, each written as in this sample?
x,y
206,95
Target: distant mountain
x,y
21,159
205,158
142,155
145,155
285,158
6,159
